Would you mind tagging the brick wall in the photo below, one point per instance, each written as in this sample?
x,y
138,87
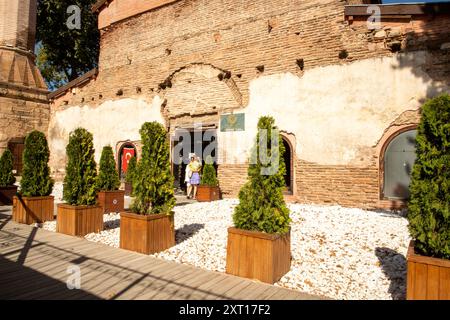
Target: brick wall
x,y
179,52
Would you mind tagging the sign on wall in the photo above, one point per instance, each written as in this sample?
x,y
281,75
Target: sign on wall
x,y
232,122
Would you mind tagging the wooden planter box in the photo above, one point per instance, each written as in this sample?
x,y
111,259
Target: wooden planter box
x,y
31,210
128,188
207,193
146,233
258,255
111,201
79,220
7,194
428,278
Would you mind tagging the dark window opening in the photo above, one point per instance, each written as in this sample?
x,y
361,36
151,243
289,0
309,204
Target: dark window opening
x,y
126,152
287,158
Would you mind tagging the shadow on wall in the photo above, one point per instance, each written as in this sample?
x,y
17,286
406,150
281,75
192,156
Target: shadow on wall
x,y
393,265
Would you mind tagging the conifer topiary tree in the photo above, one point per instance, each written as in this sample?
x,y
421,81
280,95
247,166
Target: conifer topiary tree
x,y
261,204
108,177
209,177
153,181
6,169
429,204
36,180
80,180
131,170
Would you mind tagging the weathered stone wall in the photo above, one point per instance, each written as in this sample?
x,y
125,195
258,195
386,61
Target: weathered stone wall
x,y
19,116
333,85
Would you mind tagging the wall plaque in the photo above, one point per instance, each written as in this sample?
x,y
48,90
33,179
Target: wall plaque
x,y
232,122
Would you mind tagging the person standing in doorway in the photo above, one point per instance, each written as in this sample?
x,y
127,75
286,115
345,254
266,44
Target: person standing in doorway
x,y
194,167
187,177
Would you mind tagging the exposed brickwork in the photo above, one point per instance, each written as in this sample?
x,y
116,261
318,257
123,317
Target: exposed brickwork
x,y
23,94
231,179
200,56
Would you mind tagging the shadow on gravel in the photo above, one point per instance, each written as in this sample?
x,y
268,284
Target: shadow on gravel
x,y
393,265
112,224
187,231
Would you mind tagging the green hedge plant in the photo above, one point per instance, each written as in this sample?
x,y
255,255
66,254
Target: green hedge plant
x,y
429,203
261,204
6,169
153,181
80,186
36,180
108,177
131,170
209,177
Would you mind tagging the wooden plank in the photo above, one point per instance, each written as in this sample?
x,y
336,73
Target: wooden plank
x,y
432,283
444,281
108,272
411,280
420,287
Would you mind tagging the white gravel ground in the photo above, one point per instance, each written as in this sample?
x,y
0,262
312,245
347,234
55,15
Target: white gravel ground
x,y
337,252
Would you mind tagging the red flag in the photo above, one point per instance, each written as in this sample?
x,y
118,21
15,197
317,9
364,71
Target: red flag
x,y
127,154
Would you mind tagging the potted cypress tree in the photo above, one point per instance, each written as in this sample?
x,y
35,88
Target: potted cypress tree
x,y
7,179
259,243
34,204
109,197
80,214
428,272
129,176
208,190
149,226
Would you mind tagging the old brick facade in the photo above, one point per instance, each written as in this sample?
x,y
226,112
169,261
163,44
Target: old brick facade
x,y
24,105
337,90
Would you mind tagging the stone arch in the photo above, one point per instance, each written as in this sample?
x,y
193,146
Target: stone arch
x,y
199,89
407,120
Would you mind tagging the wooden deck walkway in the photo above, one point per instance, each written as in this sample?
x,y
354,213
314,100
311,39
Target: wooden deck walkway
x,y
34,265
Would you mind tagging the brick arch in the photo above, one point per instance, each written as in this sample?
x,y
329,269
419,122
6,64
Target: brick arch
x,y
408,120
199,89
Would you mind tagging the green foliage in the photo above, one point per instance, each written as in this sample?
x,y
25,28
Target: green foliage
x,y
67,53
6,169
261,204
36,180
108,177
80,180
209,177
131,170
429,204
153,181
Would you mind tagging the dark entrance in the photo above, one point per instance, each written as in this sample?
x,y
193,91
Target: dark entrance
x,y
16,146
288,164
195,143
127,151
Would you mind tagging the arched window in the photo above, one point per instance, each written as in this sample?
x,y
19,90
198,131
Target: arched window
x,y
399,158
288,164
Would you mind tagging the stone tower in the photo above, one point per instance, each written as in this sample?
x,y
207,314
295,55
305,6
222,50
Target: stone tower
x,y
23,92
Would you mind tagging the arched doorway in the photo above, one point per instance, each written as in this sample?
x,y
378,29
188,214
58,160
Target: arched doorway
x,y
126,152
287,158
398,160
17,146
